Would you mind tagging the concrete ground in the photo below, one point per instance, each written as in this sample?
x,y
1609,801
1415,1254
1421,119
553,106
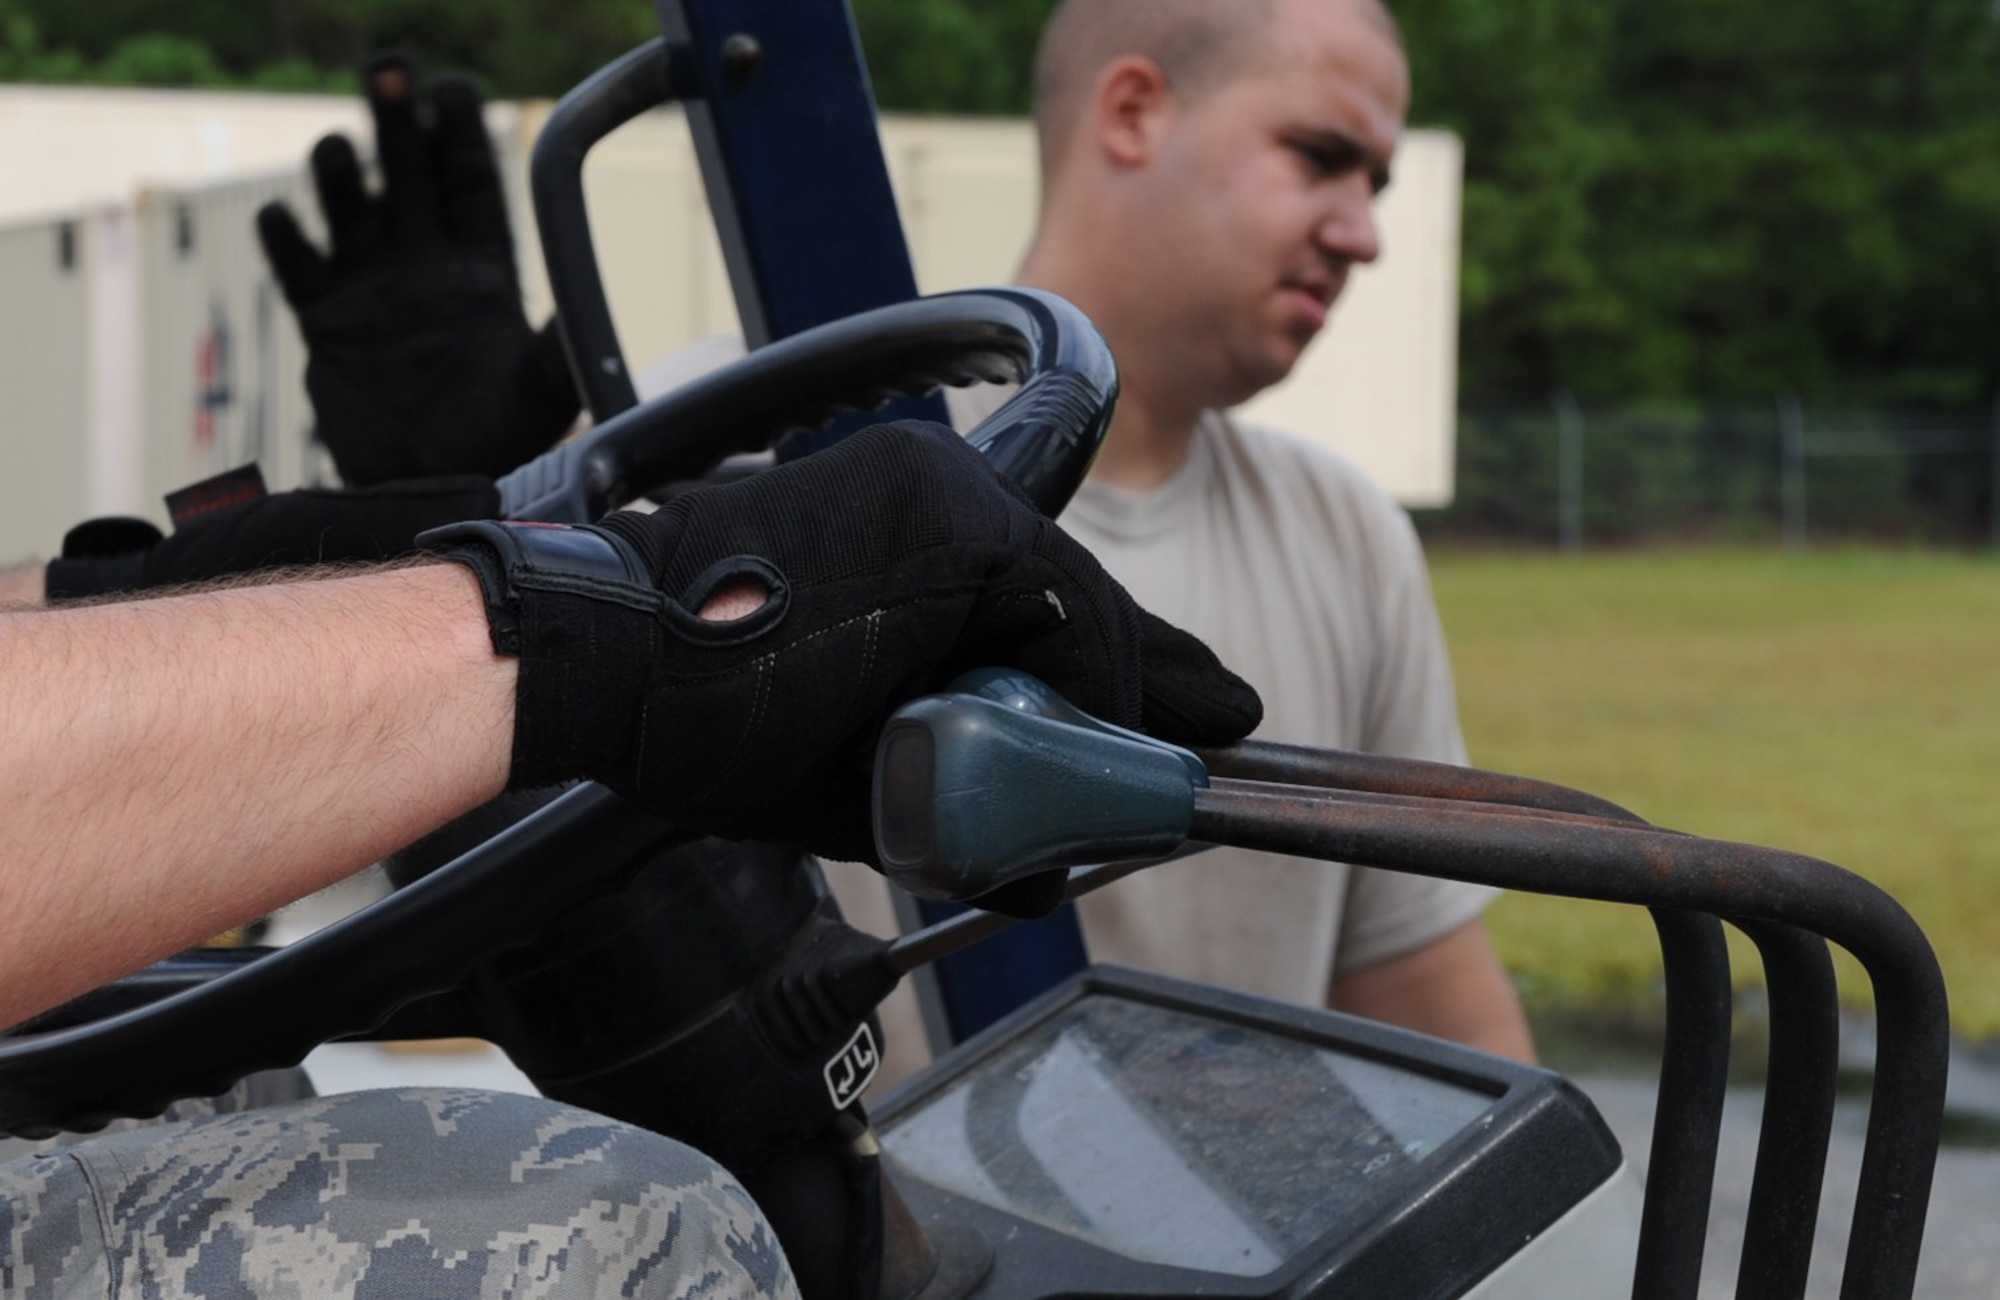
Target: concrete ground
x,y
1961,1257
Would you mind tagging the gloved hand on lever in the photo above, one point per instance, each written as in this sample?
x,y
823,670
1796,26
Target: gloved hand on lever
x,y
421,361
937,566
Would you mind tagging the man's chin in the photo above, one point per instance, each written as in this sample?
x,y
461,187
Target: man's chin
x,y
1271,370
1248,371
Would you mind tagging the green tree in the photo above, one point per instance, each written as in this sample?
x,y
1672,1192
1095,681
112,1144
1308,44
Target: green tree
x,y
1700,200
947,56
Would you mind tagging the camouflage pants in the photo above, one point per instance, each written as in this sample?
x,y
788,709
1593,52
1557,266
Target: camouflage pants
x,y
445,1193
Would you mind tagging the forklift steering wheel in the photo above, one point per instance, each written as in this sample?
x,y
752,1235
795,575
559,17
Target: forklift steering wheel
x,y
1043,439
137,1045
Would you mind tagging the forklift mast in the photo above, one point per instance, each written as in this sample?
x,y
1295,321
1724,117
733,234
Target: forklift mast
x,y
783,119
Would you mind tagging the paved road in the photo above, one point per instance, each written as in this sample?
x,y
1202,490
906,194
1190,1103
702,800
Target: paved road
x,y
1961,1259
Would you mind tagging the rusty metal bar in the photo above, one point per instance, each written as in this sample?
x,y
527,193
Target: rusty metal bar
x,y
1346,769
1632,864
1695,1054
1799,1084
1687,1110
1694,1057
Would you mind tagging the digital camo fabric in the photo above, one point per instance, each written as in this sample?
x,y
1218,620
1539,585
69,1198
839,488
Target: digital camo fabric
x,y
452,1194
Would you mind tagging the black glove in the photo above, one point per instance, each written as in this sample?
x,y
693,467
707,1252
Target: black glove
x,y
309,526
420,361
893,561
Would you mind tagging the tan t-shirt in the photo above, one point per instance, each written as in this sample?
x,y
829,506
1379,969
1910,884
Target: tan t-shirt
x,y
1305,578
1310,582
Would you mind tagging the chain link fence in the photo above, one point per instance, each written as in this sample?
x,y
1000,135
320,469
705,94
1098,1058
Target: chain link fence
x,y
1569,476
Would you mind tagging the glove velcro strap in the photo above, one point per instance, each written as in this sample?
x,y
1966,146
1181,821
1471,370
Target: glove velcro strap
x,y
513,559
577,607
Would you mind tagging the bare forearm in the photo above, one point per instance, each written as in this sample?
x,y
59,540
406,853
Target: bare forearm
x,y
173,767
1453,987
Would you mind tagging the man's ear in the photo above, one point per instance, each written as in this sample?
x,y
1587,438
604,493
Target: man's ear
x,y
1130,110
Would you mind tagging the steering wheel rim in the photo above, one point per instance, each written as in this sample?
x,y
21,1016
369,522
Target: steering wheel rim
x,y
424,938
1043,438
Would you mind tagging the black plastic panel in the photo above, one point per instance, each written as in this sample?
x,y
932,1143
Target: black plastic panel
x,y
1326,1155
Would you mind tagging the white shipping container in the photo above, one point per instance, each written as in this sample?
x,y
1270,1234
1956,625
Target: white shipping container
x,y
64,148
45,386
222,380
162,353
222,383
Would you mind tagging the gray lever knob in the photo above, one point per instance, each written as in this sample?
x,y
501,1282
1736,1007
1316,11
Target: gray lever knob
x,y
971,794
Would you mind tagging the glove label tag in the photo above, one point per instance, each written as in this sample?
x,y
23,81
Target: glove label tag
x,y
853,1068
232,487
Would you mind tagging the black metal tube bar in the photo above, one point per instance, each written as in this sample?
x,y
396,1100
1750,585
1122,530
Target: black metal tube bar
x,y
943,938
1630,864
1687,1111
1798,1113
609,98
921,947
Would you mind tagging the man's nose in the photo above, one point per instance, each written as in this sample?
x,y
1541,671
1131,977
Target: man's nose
x,y
1348,229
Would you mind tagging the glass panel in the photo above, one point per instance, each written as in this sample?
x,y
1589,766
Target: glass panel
x,y
1174,1139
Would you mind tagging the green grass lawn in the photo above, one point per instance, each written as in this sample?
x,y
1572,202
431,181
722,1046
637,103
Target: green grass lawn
x,y
1840,703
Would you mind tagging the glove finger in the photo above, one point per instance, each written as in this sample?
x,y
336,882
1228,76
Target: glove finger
x,y
299,268
351,222
550,369
468,179
549,401
1044,604
541,406
1188,696
409,189
1061,617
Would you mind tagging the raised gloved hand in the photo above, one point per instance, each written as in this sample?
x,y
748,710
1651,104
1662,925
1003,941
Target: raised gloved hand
x,y
420,360
308,526
887,565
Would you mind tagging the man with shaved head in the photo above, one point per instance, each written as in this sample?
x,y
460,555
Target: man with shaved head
x,y
1209,175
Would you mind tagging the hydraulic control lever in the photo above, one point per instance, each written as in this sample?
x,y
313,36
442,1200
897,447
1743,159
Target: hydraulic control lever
x,y
984,786
954,772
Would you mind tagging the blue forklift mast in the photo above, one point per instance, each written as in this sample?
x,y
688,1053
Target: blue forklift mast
x,y
777,98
